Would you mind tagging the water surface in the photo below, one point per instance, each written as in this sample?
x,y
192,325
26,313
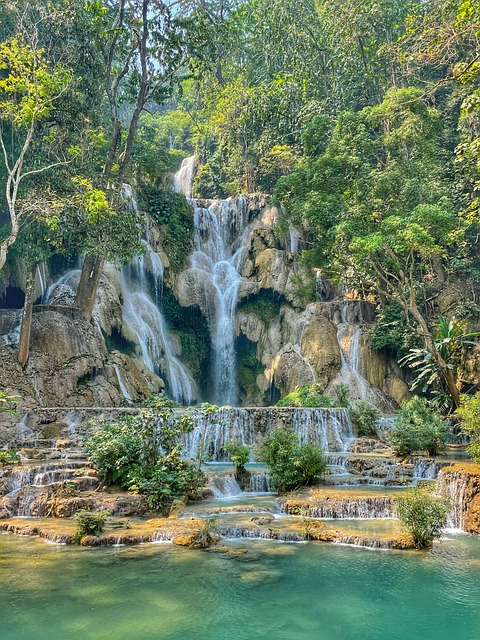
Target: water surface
x,y
273,591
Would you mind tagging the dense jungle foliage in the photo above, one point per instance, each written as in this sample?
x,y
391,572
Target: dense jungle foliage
x,y
362,118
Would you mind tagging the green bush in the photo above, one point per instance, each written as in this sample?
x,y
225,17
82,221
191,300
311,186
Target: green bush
x,y
423,515
364,418
89,523
239,453
292,465
171,478
115,448
469,412
308,395
142,454
342,392
418,428
9,456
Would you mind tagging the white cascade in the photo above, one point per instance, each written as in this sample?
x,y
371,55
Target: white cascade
x,y
224,485
182,180
330,428
220,238
156,345
145,320
121,384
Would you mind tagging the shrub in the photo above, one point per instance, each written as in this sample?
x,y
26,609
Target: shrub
x,y
423,515
469,412
364,417
342,391
114,448
418,428
171,478
89,523
308,395
292,465
239,453
9,456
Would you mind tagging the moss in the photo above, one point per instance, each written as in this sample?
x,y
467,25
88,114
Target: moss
x,y
248,366
191,327
172,210
265,305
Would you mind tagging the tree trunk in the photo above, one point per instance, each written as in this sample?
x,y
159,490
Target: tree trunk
x,y
88,285
439,361
26,326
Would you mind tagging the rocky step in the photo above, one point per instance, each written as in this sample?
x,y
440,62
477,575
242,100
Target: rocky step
x,y
39,477
62,500
331,504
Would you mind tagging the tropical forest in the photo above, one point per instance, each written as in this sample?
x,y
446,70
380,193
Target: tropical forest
x,y
240,319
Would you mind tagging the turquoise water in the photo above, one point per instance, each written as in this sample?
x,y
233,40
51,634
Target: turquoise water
x,y
273,591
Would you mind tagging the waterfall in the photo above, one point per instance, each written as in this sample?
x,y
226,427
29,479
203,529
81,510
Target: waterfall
x,y
224,485
219,239
182,180
145,320
330,428
121,384
453,487
260,482
41,278
63,289
147,323
348,507
332,431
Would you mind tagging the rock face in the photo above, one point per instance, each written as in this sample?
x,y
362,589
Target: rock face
x,y
69,365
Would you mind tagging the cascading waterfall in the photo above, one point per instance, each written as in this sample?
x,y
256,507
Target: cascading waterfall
x,y
147,323
330,428
145,319
219,240
182,180
453,487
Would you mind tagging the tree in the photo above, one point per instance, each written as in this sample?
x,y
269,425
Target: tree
x,y
292,465
469,413
451,340
143,53
30,89
423,515
418,428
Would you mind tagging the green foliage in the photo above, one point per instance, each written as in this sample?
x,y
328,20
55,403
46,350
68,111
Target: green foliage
x,y
89,523
158,401
364,417
418,428
390,330
239,453
6,401
451,342
128,452
469,412
115,447
307,395
9,456
292,465
169,479
265,305
422,514
342,392
172,211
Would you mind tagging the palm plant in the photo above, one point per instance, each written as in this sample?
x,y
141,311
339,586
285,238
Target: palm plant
x,y
451,341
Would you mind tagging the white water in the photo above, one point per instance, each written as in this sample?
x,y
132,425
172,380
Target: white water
x,y
219,240
148,325
41,279
121,384
182,180
330,428
65,286
145,320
